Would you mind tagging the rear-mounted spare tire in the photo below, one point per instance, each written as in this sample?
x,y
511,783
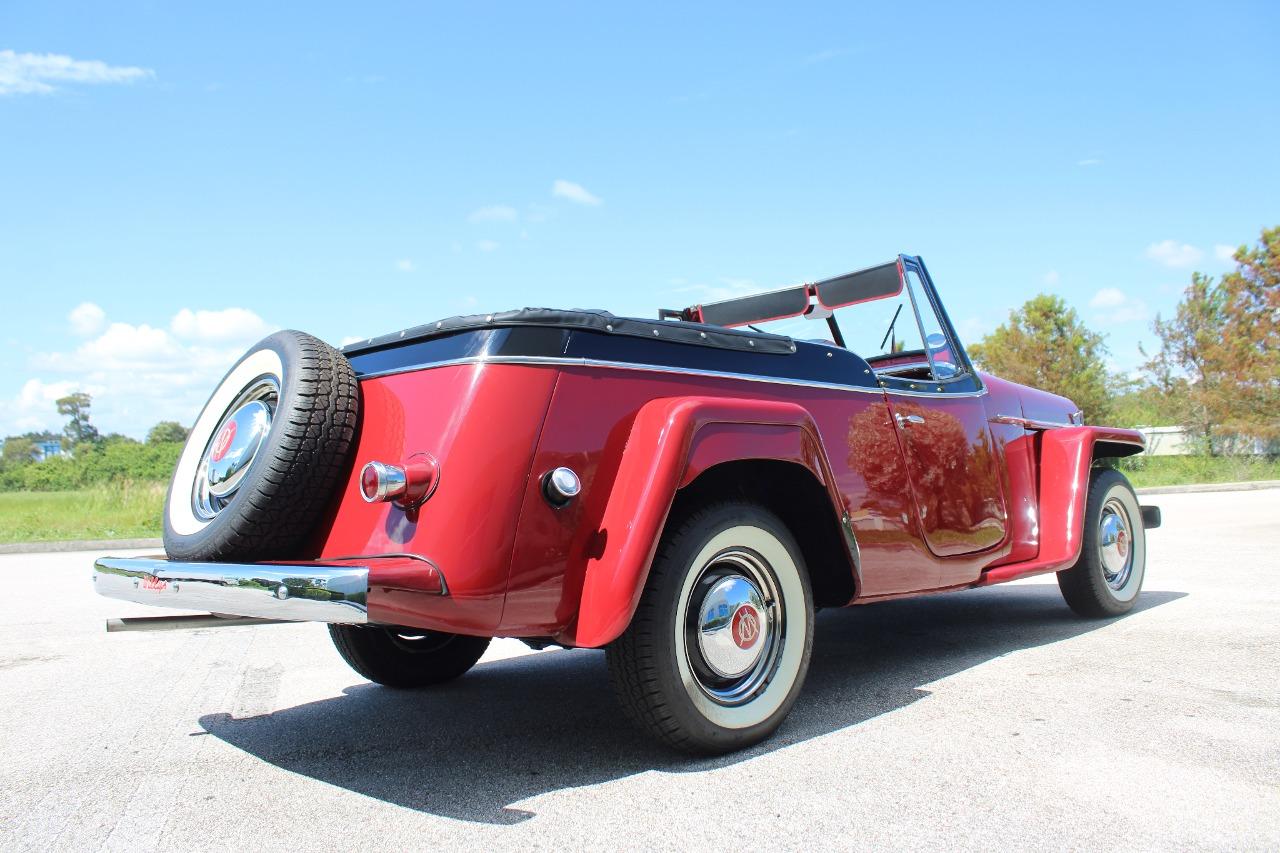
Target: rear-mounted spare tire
x,y
266,455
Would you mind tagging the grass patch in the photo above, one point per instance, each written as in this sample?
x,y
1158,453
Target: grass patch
x,y
120,511
1144,471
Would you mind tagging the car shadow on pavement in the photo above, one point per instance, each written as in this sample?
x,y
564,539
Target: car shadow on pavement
x,y
514,729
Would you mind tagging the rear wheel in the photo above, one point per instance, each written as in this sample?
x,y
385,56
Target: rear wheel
x,y
1107,578
719,646
406,657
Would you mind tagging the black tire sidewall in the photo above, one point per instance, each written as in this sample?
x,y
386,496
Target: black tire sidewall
x,y
371,652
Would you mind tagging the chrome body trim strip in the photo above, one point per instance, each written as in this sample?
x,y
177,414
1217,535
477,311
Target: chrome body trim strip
x,y
398,555
659,368
297,593
1030,423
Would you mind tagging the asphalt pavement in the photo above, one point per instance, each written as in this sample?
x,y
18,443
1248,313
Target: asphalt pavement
x,y
988,719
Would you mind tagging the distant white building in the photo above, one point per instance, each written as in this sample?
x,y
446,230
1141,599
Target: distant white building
x,y
1167,441
1178,441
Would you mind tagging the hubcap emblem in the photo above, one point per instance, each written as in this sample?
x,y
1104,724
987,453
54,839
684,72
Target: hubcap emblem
x,y
222,443
235,446
746,627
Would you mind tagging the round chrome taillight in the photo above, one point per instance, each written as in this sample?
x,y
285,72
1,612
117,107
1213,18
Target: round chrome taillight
x,y
408,485
382,482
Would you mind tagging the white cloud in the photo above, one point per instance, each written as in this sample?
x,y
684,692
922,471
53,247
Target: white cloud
x,y
494,213
138,374
1051,278
405,265
1108,297
1171,253
33,408
229,324
1113,307
487,245
351,339
86,319
40,73
1090,161
1223,252
575,193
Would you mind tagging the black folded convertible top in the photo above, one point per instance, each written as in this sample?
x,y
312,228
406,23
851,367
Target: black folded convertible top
x,y
682,332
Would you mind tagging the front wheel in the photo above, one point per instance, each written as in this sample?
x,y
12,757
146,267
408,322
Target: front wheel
x,y
406,657
1107,577
719,646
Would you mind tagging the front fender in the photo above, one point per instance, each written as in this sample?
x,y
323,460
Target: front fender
x,y
672,440
1066,457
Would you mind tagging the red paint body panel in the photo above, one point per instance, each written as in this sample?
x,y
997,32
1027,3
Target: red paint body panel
x,y
482,423
659,453
1017,448
953,472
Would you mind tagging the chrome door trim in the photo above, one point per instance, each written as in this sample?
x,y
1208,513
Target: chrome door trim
x,y
564,361
1030,423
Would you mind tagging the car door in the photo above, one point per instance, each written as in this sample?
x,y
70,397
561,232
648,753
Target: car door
x,y
951,461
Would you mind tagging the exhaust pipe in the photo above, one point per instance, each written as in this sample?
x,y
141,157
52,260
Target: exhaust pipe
x,y
178,623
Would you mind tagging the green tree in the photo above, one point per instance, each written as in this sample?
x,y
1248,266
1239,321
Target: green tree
x,y
1219,358
1044,344
75,407
17,449
1252,338
1187,368
167,432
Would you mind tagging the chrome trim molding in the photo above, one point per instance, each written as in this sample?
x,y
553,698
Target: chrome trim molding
x,y
301,593
659,368
1030,423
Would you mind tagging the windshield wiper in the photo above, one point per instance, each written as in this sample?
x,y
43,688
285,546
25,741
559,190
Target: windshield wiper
x,y
892,323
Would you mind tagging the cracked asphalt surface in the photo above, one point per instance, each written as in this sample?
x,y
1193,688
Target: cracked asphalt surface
x,y
985,719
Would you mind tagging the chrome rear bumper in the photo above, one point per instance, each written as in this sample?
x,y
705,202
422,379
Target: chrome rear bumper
x,y
310,592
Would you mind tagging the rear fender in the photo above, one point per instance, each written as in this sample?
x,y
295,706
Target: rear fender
x,y
1066,457
671,442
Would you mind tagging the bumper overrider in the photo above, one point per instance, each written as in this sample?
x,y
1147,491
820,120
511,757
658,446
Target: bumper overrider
x,y
310,592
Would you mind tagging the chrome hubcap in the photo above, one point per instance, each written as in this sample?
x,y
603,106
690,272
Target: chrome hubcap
x,y
732,627
1115,544
234,447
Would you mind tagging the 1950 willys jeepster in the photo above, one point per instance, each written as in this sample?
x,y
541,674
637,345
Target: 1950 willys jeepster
x,y
682,492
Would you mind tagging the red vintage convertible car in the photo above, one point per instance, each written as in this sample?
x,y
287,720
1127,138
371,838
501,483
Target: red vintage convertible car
x,y
682,492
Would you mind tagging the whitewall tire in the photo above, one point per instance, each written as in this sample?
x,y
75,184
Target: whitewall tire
x,y
1107,577
719,646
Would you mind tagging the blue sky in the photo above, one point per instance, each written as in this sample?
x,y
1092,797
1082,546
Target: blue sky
x,y
177,181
